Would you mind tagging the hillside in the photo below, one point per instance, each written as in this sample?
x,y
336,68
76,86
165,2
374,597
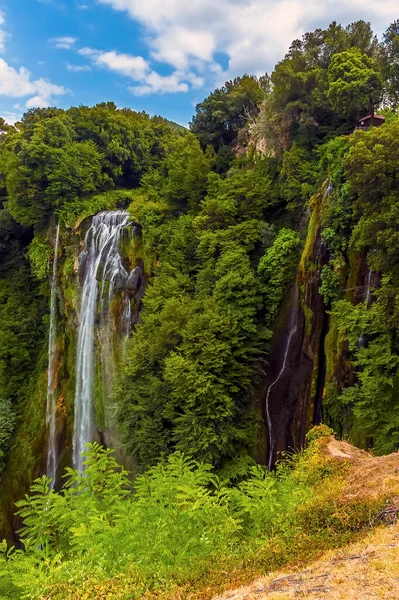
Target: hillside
x,y
366,569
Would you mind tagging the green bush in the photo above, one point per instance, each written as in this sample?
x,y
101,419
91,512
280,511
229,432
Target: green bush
x,y
178,521
39,254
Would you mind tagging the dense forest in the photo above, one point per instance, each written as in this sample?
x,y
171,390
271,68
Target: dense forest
x,y
262,249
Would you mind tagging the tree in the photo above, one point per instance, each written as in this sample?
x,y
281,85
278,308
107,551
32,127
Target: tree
x,y
391,63
59,158
298,107
297,177
277,269
355,83
226,110
187,169
372,169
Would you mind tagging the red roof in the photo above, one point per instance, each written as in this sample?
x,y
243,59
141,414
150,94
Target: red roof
x,y
374,116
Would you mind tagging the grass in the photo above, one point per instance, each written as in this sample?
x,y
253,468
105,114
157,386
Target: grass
x,y
344,491
351,492
365,569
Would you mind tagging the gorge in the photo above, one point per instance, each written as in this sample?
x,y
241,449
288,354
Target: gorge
x,y
208,303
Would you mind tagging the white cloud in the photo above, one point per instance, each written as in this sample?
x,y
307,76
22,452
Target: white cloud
x,y
139,71
77,68
3,34
63,43
252,34
186,43
18,83
37,101
195,80
11,117
134,67
160,84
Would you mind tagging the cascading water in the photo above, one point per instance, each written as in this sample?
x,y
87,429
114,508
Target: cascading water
x,y
267,408
51,409
367,298
368,289
103,274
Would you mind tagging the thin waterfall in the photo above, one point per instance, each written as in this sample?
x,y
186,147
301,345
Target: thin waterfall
x,y
367,299
103,274
267,408
368,289
51,409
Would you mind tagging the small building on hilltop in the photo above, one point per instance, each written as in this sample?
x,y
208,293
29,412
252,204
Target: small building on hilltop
x,y
370,121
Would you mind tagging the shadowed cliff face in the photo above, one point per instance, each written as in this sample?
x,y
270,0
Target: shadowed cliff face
x,y
309,364
293,388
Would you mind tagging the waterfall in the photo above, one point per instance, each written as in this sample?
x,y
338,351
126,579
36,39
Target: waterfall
x,y
279,376
103,273
51,409
362,339
368,289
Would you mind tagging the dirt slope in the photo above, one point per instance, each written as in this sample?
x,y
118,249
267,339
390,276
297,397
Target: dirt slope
x,y
364,570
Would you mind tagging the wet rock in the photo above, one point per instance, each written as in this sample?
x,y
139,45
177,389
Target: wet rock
x,y
83,264
134,279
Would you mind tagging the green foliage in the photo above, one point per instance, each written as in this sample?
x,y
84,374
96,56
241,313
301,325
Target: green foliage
x,y
355,84
75,171
297,177
372,167
189,385
301,106
60,158
361,220
21,310
318,432
178,521
21,331
182,176
225,111
332,155
373,399
187,379
277,268
39,254
179,526
330,284
391,62
7,425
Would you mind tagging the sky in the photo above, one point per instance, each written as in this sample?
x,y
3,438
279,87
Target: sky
x,y
161,56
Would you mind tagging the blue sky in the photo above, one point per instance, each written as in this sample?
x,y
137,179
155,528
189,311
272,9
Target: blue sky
x,y
161,56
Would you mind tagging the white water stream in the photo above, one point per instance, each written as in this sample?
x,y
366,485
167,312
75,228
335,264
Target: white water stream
x,y
103,274
362,340
51,409
267,407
